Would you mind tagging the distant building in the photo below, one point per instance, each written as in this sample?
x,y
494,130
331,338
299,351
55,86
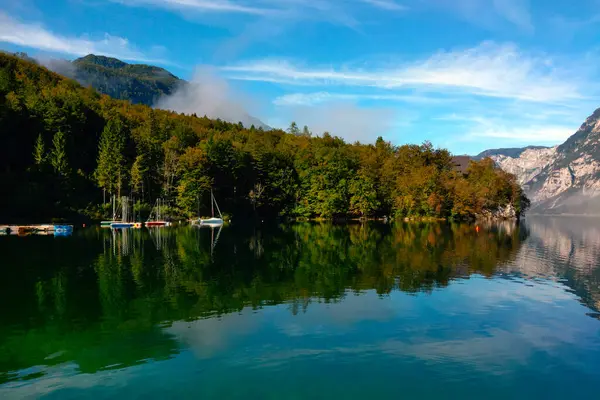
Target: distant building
x,y
461,163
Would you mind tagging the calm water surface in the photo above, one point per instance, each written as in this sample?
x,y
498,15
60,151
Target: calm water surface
x,y
304,312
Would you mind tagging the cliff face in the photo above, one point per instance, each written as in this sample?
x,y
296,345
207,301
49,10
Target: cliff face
x,y
560,179
528,165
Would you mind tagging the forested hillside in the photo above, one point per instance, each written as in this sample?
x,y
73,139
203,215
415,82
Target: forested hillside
x,y
138,83
63,148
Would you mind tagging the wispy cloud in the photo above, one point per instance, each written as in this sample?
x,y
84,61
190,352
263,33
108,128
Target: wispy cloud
x,y
34,35
331,11
492,14
490,69
207,6
521,131
386,5
317,98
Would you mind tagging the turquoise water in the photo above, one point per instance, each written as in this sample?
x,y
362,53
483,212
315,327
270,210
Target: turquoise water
x,y
304,311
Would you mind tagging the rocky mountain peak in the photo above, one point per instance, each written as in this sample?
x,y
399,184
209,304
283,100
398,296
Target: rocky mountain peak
x,y
560,179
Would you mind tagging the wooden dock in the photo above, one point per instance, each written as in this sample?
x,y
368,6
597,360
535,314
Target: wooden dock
x,y
22,230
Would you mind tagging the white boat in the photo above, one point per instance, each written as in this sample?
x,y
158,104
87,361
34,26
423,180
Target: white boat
x,y
213,221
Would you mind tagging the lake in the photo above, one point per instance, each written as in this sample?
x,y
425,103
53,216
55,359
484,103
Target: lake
x,y
304,311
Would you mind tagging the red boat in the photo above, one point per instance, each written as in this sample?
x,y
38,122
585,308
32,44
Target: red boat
x,y
157,223
155,219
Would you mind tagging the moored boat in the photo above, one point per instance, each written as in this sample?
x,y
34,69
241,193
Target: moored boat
x,y
122,225
108,224
63,228
156,220
213,221
126,222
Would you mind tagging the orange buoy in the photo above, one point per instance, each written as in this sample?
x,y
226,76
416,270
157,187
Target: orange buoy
x,y
477,228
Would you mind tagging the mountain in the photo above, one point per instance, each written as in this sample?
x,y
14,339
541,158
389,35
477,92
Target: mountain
x,y
564,179
143,84
512,152
526,164
138,83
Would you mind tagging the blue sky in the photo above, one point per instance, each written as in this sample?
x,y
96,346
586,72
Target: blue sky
x,y
465,74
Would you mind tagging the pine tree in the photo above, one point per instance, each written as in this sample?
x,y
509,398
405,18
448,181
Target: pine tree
x,y
139,170
58,155
111,161
39,151
293,129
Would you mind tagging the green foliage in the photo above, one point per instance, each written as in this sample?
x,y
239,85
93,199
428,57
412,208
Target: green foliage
x,y
110,172
194,182
293,129
126,149
138,83
363,196
39,152
58,155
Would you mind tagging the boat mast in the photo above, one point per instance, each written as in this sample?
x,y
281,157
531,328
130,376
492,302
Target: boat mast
x,y
215,202
212,201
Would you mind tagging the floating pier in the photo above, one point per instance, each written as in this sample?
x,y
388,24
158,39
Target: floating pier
x,y
44,229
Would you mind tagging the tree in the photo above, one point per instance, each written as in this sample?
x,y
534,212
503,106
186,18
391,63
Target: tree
x,y
139,170
293,129
58,155
306,132
110,172
171,150
194,181
256,193
39,151
363,196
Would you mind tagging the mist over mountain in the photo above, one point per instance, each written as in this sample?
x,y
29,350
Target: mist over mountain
x,y
206,94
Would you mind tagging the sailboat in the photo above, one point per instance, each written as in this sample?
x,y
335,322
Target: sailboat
x,y
213,221
108,224
125,222
156,218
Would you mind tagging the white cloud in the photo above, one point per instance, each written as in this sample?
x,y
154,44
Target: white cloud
x,y
342,118
36,36
208,6
519,131
490,69
528,134
316,98
386,5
